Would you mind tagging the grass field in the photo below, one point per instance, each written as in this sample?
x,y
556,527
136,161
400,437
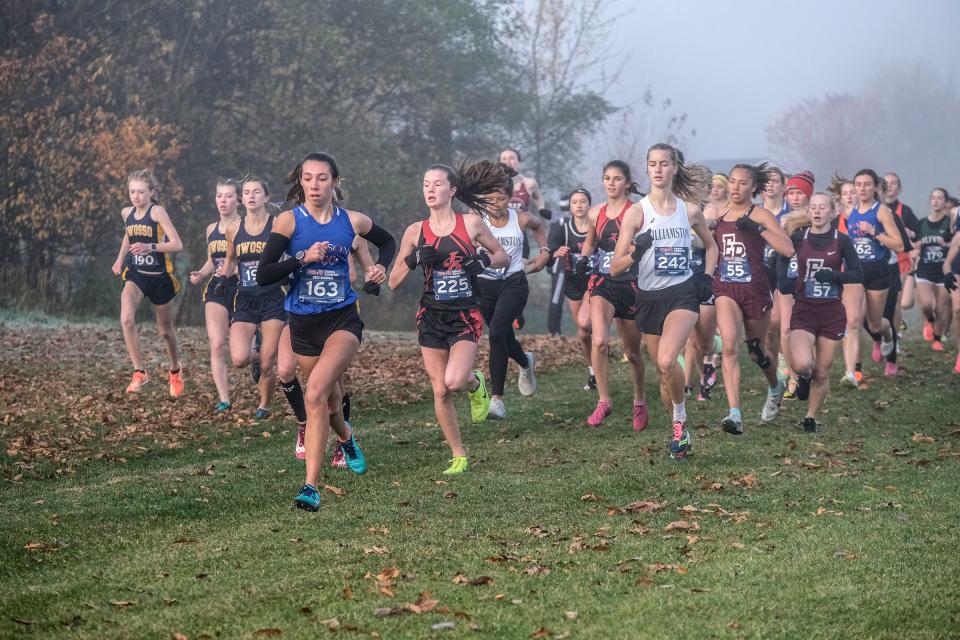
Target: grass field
x,y
182,527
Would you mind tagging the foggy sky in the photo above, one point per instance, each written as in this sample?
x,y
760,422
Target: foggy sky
x,y
735,66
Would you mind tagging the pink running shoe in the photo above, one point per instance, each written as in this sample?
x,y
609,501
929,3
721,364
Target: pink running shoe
x,y
876,355
599,414
928,331
937,345
890,369
641,416
337,460
300,450
956,367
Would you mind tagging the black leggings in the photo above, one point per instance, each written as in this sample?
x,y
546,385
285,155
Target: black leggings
x,y
502,302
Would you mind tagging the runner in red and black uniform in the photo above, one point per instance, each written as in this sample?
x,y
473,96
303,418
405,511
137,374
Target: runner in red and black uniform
x,y
448,322
906,265
825,260
742,289
612,297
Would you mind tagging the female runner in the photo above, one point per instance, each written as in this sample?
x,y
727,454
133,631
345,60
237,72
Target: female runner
x,y
936,232
146,269
218,292
448,322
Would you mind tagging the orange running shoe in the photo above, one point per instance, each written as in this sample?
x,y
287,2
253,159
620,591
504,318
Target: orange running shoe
x,y
937,345
928,331
858,375
137,381
176,384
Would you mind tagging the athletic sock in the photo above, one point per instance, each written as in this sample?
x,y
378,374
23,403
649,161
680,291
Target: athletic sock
x,y
875,336
680,411
590,369
776,389
735,414
857,368
294,393
936,337
477,378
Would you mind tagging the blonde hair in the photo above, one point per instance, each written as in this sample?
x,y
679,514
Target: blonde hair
x,y
146,175
795,221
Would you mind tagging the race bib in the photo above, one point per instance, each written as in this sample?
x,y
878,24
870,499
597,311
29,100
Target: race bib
x,y
866,249
768,253
933,254
322,286
217,263
671,261
735,270
248,273
793,269
144,261
451,285
821,290
604,260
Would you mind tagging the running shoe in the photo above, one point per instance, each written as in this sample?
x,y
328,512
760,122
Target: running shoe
x,y
176,384
732,425
858,374
956,365
928,331
771,408
704,394
519,322
936,345
803,387
591,383
886,348
641,416
479,399
687,391
709,375
137,381
299,450
849,380
308,499
458,464
903,326
337,461
890,369
354,456
788,393
680,447
527,383
877,353
810,425
222,406
255,362
600,414
261,414
497,411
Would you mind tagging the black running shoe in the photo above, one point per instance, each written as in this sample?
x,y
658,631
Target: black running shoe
x,y
732,426
810,425
591,383
803,388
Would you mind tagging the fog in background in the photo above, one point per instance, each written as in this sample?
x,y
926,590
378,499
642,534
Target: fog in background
x,y
735,68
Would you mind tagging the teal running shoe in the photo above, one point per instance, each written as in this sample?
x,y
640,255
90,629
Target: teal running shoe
x,y
261,414
353,456
222,406
680,447
308,499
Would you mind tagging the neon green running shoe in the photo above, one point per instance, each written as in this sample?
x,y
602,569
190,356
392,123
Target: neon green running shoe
x,y
479,399
458,464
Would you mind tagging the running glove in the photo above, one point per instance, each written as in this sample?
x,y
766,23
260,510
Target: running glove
x,y
641,243
546,214
475,264
950,281
582,266
425,254
371,288
825,274
746,223
703,285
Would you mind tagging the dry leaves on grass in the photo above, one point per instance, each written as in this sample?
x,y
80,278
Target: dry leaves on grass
x,y
640,506
47,547
682,525
475,582
385,580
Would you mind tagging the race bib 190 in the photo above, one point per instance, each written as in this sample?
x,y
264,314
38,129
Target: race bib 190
x,y
248,273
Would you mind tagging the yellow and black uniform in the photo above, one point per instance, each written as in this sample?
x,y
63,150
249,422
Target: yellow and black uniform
x,y
219,290
253,303
152,272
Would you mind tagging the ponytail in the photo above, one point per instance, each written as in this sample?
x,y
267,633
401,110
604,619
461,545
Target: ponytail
x,y
690,182
760,174
475,183
624,168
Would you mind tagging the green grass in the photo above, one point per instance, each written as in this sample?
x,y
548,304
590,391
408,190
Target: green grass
x,y
202,541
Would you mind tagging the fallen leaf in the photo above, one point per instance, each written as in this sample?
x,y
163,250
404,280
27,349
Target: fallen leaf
x,y
570,615
337,491
424,604
537,531
713,486
542,632
265,434
41,546
449,494
917,437
590,497
682,525
657,567
734,624
347,593
123,603
645,506
270,632
375,549
440,626
180,636
331,623
536,570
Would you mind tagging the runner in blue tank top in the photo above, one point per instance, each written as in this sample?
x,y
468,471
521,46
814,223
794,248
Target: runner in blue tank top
x,y
325,328
218,292
873,230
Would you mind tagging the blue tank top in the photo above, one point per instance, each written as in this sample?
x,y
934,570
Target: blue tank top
x,y
868,248
319,287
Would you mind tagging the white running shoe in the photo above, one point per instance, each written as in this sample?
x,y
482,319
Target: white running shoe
x,y
771,408
886,347
496,411
528,377
849,380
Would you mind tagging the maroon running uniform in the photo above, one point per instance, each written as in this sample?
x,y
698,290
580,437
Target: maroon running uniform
x,y
448,307
740,273
818,308
621,290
